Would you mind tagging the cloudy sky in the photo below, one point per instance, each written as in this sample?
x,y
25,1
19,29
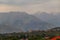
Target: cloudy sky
x,y
30,6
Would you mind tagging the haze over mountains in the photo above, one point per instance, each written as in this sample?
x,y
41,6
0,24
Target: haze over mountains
x,y
53,18
21,21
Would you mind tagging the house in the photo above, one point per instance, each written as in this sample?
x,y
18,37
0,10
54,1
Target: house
x,y
47,37
24,39
56,38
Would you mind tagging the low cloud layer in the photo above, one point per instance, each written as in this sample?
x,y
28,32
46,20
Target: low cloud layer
x,y
30,6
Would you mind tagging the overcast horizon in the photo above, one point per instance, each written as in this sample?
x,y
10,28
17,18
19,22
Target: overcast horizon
x,y
30,6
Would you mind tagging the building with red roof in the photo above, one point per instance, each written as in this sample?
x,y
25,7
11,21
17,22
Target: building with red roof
x,y
56,38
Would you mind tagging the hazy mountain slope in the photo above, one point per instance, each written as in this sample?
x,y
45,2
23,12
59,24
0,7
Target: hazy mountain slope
x,y
21,21
53,18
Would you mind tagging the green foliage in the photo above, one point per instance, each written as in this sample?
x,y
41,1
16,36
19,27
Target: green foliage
x,y
30,36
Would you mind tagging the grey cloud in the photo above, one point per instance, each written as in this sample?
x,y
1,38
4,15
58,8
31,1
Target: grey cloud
x,y
22,2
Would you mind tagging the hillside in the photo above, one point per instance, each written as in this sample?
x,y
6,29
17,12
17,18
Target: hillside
x,y
21,21
53,18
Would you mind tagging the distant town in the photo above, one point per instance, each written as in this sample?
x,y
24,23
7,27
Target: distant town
x,y
33,35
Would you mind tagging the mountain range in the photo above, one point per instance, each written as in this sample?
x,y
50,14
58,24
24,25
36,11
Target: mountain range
x,y
52,18
21,21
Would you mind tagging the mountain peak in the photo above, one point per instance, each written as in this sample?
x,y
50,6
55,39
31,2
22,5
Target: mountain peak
x,y
18,21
